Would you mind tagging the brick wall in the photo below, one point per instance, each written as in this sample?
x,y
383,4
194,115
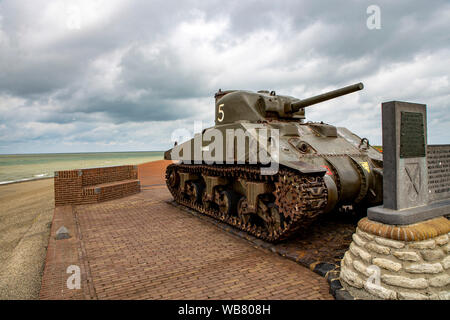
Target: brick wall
x,y
82,186
68,187
95,176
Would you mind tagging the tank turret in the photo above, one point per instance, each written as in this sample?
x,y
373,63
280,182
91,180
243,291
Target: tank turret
x,y
235,105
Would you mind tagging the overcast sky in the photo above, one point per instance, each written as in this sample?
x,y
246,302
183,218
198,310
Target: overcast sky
x,y
120,75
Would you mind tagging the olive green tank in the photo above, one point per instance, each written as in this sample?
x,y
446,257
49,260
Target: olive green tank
x,y
265,170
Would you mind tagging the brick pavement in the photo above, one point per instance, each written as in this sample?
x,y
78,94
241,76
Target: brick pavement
x,y
141,247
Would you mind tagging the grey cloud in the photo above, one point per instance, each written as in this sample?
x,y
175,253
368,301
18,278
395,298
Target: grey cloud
x,y
142,65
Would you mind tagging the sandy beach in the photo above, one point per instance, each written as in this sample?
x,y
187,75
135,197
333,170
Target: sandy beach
x,y
26,213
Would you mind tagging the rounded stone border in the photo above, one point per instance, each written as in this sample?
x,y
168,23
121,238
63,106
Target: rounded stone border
x,y
327,270
414,232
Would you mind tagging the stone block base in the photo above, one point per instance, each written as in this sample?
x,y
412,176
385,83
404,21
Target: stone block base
x,y
398,262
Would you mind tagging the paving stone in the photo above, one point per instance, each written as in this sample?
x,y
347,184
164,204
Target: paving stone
x,y
444,295
306,261
442,240
440,280
390,243
282,251
343,295
446,262
405,282
412,296
431,255
323,268
348,260
426,244
358,240
365,235
291,256
352,278
406,255
387,264
424,268
378,248
333,274
446,248
361,267
362,253
380,291
335,285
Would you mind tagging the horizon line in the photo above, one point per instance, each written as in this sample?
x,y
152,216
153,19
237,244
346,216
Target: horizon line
x,y
11,154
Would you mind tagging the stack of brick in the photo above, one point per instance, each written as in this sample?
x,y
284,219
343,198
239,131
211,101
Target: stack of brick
x,y
84,186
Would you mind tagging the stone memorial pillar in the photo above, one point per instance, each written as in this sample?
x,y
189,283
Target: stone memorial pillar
x,y
405,167
401,250
404,162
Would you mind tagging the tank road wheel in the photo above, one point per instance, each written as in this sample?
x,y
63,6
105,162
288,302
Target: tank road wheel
x,y
194,191
189,190
227,203
206,203
242,211
197,192
274,223
173,179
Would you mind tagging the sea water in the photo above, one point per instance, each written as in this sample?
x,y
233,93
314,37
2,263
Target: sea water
x,y
23,167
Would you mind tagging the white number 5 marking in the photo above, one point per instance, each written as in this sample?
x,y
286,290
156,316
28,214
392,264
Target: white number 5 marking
x,y
222,114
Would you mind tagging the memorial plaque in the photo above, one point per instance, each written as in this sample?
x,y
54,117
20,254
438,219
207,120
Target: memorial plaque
x,y
412,137
438,160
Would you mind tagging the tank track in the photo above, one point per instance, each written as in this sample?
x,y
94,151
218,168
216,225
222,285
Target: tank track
x,y
299,198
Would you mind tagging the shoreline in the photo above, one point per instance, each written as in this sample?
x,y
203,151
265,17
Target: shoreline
x,y
21,181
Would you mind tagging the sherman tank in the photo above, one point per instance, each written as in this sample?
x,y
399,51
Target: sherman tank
x,y
267,171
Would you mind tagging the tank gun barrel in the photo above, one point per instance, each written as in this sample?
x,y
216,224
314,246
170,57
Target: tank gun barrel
x,y
296,106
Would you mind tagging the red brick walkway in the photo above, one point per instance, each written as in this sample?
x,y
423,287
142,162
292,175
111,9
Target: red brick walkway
x,y
141,247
